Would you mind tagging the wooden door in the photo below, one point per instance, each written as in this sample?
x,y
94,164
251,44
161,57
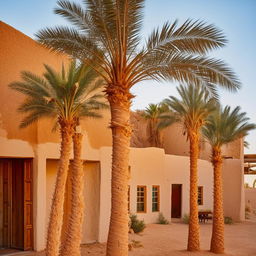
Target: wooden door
x,y
176,200
17,203
28,205
6,166
17,234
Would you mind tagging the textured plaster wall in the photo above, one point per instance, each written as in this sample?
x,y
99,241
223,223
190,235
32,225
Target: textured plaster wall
x,y
19,52
233,189
175,141
250,198
91,196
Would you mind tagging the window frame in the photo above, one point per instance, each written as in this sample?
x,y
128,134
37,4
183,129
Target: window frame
x,y
158,197
144,201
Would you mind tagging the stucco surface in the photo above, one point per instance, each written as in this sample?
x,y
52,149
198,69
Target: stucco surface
x,y
91,196
175,141
18,52
250,198
233,189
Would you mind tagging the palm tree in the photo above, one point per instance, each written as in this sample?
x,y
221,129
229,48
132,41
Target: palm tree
x,y
223,126
65,97
72,238
106,35
152,113
192,111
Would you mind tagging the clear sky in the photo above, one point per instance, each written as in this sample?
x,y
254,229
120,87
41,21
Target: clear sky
x,y
237,18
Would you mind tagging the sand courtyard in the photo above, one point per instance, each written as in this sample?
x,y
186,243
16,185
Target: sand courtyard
x,y
170,240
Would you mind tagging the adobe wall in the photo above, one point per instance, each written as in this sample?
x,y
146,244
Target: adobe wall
x,y
177,172
175,141
18,52
250,198
233,189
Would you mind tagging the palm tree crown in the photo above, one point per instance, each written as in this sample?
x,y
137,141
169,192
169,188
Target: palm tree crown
x,y
106,34
153,111
226,125
191,110
65,96
153,114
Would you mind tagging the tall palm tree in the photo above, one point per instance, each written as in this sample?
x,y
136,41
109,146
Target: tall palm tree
x,y
106,35
223,126
192,110
65,97
152,113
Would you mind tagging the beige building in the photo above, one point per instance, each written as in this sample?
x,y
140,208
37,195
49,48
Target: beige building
x,y
159,178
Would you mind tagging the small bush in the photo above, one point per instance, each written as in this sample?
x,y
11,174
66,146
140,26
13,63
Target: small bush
x,y
247,208
185,218
228,220
136,225
162,219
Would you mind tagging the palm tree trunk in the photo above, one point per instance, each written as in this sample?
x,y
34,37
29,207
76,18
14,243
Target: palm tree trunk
x,y
193,233
217,241
117,244
56,215
71,244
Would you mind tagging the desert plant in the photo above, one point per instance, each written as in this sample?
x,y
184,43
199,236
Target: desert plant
x,y
228,220
107,36
162,219
136,225
185,218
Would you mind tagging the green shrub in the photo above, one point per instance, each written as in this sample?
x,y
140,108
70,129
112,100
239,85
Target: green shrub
x,y
228,220
162,219
185,218
136,225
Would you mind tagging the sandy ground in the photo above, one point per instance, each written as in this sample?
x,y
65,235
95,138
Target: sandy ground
x,y
163,240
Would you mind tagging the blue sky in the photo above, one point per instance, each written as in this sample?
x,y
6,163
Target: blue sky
x,y
235,17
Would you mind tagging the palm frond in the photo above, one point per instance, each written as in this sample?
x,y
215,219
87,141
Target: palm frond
x,y
55,94
106,36
226,125
192,37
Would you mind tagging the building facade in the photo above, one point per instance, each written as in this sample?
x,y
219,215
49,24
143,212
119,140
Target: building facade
x,y
158,178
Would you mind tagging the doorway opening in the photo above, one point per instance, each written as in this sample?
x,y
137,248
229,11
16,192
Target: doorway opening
x,y
176,200
16,208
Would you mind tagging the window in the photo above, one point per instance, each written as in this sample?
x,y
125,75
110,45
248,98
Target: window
x,y
155,198
141,198
200,195
128,198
